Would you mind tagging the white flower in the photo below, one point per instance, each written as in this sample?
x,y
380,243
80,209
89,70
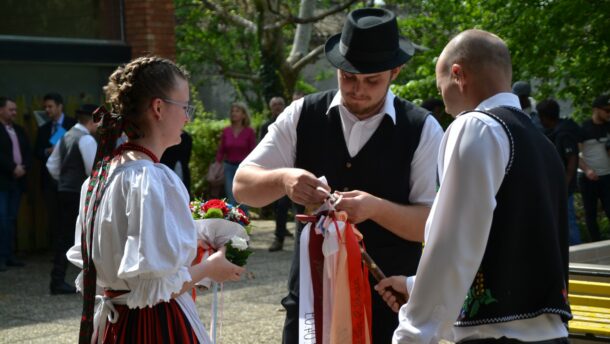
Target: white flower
x,y
239,243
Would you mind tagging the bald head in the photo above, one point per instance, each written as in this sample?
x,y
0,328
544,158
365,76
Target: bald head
x,y
479,64
477,50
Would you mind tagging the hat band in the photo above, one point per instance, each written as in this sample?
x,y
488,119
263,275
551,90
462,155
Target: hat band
x,y
359,55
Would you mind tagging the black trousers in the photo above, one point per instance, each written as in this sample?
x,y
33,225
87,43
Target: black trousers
x,y
64,235
385,321
280,211
505,340
591,191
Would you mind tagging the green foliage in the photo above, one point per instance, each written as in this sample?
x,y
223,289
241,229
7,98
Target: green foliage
x,y
205,131
563,44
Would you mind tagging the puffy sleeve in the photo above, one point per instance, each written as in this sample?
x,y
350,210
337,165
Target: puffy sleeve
x,y
161,238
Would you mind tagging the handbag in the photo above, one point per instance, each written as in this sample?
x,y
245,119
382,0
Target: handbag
x,y
216,174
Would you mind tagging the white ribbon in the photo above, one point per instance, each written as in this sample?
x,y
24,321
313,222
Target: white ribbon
x,y
307,329
105,311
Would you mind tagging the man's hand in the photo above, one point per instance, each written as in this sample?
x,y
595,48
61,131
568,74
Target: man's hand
x,y
301,187
359,205
591,175
19,171
399,284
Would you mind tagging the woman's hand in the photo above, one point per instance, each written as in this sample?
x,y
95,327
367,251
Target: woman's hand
x,y
220,269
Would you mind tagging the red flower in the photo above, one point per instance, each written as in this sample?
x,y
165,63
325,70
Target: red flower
x,y
218,204
243,218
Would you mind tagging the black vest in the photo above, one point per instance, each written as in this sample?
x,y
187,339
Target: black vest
x,y
381,168
524,271
72,173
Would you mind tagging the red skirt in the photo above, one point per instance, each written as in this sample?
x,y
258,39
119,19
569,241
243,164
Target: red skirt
x,y
162,323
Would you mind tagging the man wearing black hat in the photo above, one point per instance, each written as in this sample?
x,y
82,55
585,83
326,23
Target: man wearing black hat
x,y
70,164
377,150
594,163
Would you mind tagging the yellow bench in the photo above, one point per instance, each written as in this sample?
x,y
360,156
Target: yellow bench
x,y
590,303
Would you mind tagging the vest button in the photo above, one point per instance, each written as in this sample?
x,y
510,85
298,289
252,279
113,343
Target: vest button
x,y
348,164
346,189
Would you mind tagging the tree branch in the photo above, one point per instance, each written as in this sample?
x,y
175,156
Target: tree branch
x,y
308,58
290,19
238,75
233,18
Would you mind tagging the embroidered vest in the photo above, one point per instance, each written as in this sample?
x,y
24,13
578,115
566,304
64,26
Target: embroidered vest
x,y
381,168
524,271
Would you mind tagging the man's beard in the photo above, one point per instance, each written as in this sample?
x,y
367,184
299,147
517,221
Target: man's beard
x,y
363,112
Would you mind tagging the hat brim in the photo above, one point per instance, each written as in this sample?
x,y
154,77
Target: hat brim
x,y
334,56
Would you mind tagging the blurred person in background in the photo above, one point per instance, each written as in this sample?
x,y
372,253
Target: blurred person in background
x,y
236,142
69,165
15,162
594,164
564,135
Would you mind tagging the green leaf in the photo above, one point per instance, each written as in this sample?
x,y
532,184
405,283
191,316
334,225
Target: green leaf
x,y
475,309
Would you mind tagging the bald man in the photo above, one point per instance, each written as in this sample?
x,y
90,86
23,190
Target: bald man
x,y
494,268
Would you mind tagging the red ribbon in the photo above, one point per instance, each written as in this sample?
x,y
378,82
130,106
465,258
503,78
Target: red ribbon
x,y
360,290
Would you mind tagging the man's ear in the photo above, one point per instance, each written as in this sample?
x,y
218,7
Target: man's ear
x,y
394,72
458,75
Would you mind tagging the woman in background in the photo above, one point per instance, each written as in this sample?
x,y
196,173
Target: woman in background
x,y
236,142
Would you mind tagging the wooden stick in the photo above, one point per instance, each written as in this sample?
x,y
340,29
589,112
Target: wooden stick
x,y
379,275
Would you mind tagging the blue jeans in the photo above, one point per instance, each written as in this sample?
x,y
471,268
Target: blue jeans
x,y
572,223
9,207
230,169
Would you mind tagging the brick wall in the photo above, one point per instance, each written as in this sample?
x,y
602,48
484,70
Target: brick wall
x,y
149,27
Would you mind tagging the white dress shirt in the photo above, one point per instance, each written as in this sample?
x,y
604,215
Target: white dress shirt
x,y
278,148
87,147
471,163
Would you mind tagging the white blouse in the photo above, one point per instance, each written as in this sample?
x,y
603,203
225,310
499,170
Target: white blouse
x,y
144,236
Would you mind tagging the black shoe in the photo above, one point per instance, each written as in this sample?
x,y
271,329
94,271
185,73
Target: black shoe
x,y
288,234
277,245
3,266
62,288
14,262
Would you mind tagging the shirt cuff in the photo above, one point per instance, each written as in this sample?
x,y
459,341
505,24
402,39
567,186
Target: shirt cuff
x,y
410,281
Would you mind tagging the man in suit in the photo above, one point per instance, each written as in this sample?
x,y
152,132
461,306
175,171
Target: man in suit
x,y
15,161
53,105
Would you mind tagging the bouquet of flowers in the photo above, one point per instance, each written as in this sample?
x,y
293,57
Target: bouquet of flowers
x,y
221,224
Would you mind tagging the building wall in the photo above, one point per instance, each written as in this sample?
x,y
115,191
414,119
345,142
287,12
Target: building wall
x,y
74,58
150,27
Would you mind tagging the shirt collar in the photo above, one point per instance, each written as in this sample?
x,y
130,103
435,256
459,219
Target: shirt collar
x,y
81,128
500,99
388,106
60,121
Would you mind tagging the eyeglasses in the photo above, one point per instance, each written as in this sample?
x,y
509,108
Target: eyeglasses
x,y
189,110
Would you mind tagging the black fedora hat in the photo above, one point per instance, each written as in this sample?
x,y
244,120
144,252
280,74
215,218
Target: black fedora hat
x,y
369,43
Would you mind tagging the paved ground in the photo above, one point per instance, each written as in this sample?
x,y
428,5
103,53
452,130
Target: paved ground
x,y
252,311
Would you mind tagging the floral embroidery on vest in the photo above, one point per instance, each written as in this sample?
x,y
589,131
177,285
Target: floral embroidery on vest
x,y
477,296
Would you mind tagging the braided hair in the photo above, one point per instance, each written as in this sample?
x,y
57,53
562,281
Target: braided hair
x,y
129,91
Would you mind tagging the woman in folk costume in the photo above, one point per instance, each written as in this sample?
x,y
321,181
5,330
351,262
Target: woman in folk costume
x,y
135,238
